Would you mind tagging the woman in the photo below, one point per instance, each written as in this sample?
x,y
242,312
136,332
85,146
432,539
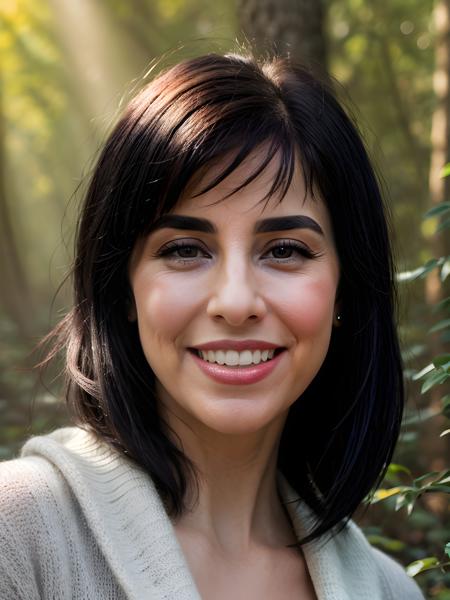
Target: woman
x,y
232,357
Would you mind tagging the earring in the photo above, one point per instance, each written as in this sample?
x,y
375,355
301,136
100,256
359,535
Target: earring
x,y
337,321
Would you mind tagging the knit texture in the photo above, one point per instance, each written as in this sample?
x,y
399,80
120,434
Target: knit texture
x,y
80,521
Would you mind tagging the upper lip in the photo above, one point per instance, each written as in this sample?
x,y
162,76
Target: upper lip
x,y
238,345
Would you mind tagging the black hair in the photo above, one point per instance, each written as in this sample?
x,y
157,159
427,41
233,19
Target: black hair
x,y
340,435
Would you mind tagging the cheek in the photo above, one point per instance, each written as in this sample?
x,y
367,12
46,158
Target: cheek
x,y
165,305
306,306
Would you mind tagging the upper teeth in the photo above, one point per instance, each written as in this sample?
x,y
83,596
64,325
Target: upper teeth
x,y
233,358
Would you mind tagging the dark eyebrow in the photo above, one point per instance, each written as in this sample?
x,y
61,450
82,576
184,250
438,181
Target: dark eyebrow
x,y
289,222
262,226
182,222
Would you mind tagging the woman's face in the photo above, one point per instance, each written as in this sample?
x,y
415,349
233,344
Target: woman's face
x,y
247,281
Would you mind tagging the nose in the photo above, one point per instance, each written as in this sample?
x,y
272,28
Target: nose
x,y
235,295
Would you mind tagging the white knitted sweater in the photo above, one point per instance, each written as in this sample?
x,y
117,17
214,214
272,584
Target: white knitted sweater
x,y
79,521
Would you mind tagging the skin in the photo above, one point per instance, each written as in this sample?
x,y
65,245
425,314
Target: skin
x,y
236,286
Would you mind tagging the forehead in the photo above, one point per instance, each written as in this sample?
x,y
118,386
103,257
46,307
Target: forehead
x,y
229,200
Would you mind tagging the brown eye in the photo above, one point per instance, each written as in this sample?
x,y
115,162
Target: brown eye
x,y
282,252
290,250
187,251
180,250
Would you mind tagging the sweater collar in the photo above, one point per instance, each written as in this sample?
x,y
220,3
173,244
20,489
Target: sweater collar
x,y
128,520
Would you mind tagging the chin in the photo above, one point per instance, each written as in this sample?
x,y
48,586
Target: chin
x,y
240,418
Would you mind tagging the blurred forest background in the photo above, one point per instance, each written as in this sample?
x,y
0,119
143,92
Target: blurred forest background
x,y
66,69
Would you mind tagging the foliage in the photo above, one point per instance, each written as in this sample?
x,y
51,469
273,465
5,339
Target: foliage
x,y
432,377
382,53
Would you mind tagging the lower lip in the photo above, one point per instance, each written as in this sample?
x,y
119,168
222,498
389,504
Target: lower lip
x,y
238,375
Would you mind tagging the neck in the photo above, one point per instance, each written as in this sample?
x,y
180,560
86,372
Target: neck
x,y
236,505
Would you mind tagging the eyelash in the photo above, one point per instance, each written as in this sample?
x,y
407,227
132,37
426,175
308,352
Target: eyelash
x,y
168,251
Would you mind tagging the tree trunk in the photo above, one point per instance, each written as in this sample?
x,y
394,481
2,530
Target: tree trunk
x,y
440,132
287,27
435,449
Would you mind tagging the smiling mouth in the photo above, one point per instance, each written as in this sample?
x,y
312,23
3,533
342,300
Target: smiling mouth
x,y
235,359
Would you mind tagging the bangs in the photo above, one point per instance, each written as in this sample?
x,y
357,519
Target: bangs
x,y
194,125
281,151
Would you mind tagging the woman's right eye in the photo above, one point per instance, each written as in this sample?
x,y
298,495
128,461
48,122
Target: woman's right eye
x,y
188,251
182,251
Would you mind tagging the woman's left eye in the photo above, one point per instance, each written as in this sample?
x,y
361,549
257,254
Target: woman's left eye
x,y
288,249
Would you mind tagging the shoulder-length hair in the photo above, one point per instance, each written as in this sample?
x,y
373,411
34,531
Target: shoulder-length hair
x,y
340,434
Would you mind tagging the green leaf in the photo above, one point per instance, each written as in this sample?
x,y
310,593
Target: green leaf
x,y
423,372
419,417
429,266
435,481
395,468
445,269
386,543
445,402
445,224
439,209
447,549
442,305
435,378
420,271
441,325
445,478
407,500
432,474
423,564
442,360
408,437
445,171
437,487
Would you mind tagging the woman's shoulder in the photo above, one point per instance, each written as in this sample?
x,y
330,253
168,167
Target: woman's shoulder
x,y
36,498
36,514
32,480
390,574
88,516
397,581
48,547
28,484
342,563
36,504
